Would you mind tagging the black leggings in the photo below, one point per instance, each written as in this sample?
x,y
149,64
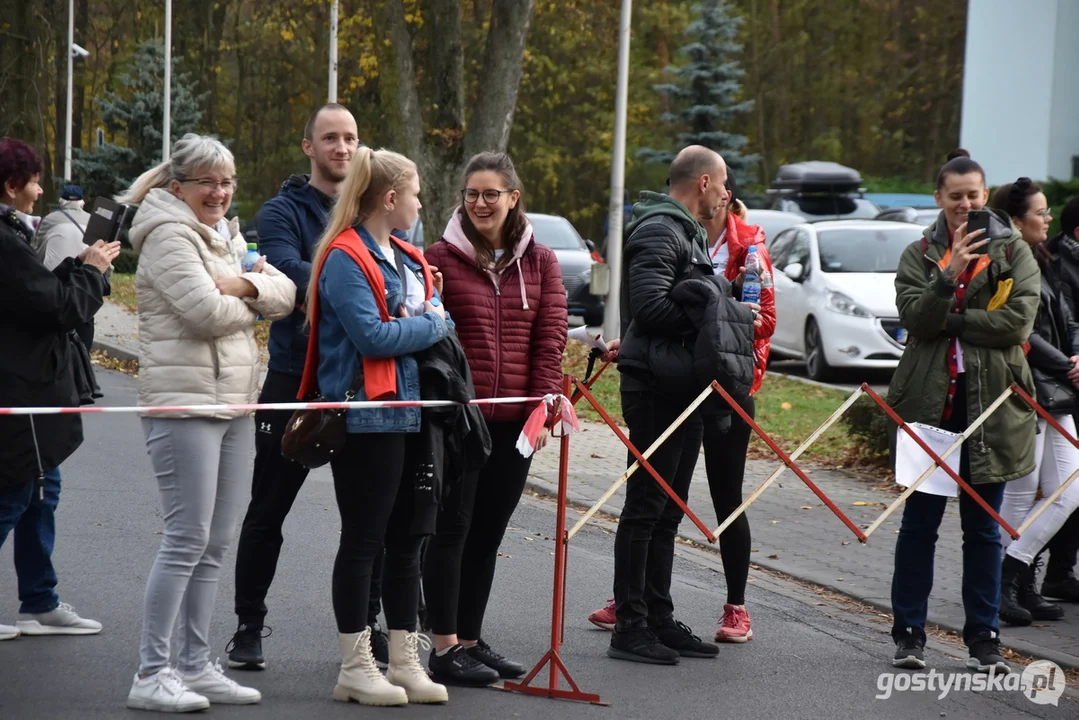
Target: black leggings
x,y
367,482
725,461
459,567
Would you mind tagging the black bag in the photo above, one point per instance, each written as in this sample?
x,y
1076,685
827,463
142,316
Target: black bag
x,y
1053,395
313,437
83,367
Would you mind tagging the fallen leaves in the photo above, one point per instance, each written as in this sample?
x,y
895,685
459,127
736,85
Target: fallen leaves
x,y
773,557
104,360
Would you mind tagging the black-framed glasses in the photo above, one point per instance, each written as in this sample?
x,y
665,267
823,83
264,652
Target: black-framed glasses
x,y
471,195
209,184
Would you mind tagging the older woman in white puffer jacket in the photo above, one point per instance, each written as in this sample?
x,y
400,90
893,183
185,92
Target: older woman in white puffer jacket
x,y
197,313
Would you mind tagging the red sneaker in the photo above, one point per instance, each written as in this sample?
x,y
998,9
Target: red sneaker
x,y
735,626
604,617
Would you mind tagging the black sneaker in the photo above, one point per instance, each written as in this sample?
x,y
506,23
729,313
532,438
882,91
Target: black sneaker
x,y
380,646
505,667
640,644
458,667
909,652
985,656
1065,588
245,648
677,636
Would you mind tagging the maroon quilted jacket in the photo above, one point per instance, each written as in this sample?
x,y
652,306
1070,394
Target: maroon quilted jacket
x,y
512,325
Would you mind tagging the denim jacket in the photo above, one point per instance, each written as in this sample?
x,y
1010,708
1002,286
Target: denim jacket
x,y
350,328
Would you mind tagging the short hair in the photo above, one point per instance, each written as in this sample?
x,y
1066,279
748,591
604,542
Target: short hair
x,y
309,128
191,154
1069,218
1014,198
691,163
19,163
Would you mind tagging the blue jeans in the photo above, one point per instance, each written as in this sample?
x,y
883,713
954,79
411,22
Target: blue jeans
x,y
913,578
34,523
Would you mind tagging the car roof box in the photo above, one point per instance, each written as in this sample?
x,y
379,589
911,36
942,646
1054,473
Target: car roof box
x,y
817,176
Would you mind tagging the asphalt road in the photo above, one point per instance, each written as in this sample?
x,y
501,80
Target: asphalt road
x,y
811,658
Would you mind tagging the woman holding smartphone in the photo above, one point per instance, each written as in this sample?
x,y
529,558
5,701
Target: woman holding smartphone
x,y
968,300
1053,358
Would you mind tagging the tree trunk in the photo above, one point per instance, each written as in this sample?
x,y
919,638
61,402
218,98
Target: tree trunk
x,y
440,152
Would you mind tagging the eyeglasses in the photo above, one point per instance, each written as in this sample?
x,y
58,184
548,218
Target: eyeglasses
x,y
1045,213
209,185
490,197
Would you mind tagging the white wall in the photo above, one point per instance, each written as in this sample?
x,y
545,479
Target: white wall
x,y
1064,117
1008,85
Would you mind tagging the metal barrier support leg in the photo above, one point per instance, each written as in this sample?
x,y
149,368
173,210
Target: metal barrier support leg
x,y
552,657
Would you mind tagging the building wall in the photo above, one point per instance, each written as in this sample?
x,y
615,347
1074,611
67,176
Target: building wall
x,y
1064,116
1009,85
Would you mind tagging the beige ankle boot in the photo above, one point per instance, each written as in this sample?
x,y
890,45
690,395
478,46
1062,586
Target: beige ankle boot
x,y
360,679
407,671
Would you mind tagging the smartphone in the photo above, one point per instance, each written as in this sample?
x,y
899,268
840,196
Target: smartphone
x,y
979,220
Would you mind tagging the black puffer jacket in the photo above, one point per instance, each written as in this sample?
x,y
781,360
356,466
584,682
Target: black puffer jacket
x,y
1065,252
723,348
664,248
38,309
1054,341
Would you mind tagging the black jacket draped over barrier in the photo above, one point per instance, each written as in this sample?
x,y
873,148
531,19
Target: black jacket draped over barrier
x,y
38,309
453,440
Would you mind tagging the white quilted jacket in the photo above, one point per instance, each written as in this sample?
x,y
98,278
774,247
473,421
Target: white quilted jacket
x,y
197,346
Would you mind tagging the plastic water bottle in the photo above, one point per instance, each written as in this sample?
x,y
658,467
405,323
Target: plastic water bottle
x,y
751,287
251,257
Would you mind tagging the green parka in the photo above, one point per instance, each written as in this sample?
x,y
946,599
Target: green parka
x,y
1003,448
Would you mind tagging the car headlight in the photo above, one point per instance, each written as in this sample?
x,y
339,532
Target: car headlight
x,y
840,303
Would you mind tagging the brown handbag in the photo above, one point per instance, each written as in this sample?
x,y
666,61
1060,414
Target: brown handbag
x,y
313,437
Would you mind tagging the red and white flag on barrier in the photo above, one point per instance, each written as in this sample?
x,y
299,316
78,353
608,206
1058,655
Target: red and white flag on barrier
x,y
526,443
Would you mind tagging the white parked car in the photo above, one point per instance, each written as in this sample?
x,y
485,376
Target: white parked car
x,y
835,293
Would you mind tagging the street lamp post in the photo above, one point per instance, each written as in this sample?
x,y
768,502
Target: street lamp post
x,y
166,123
612,312
332,94
70,79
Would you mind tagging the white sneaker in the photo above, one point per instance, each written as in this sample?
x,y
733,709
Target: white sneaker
x,y
8,632
61,621
218,688
164,692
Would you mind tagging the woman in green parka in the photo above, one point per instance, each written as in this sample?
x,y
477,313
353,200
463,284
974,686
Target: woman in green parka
x,y
968,304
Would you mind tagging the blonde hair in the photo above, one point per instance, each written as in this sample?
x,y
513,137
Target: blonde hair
x,y
190,155
373,173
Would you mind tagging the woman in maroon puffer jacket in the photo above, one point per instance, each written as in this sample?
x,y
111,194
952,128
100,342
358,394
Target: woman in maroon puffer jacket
x,y
505,294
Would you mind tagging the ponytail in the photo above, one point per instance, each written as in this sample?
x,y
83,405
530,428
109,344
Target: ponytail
x,y
155,177
372,174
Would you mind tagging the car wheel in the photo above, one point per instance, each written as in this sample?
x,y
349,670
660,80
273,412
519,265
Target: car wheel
x,y
593,317
817,367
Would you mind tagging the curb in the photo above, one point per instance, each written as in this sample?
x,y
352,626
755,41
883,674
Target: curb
x,y
1064,660
120,352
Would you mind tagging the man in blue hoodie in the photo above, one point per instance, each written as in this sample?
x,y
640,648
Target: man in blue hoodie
x,y
289,227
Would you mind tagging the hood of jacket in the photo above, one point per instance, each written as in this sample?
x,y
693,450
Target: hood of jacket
x,y
299,189
652,204
160,207
1000,227
454,234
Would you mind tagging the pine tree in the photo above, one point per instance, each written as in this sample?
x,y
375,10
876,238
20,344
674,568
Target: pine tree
x,y
137,113
705,96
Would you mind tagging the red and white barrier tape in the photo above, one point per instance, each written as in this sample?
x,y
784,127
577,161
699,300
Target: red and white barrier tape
x,y
526,443
248,407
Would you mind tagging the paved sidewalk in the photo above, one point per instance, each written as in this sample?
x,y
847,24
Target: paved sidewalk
x,y
795,533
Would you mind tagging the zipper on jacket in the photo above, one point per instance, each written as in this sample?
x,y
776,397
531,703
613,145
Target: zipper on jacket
x,y
498,339
217,360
